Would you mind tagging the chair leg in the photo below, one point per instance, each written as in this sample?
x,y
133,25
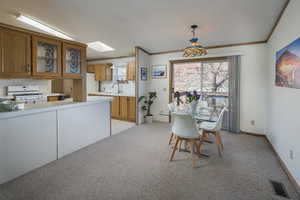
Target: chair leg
x,y
218,145
220,140
174,149
180,143
198,146
171,137
192,142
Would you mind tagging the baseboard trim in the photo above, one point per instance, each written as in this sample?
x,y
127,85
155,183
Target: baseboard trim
x,y
252,134
283,166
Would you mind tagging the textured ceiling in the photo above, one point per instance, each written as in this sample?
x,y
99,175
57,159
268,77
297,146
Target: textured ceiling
x,y
156,25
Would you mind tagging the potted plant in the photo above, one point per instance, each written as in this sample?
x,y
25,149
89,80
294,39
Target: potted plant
x,y
192,100
148,101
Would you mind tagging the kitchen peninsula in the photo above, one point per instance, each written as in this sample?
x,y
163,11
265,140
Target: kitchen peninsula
x,y
45,131
42,133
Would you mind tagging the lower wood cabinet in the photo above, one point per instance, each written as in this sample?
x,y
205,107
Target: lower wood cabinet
x,y
131,108
122,107
115,110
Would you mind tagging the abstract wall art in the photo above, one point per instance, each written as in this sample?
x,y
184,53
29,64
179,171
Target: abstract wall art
x,y
288,66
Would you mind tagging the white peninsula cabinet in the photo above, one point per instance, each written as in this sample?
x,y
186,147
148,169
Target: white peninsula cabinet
x,y
26,142
34,137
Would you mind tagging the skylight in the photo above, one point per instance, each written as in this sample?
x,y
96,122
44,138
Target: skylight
x,y
43,27
100,46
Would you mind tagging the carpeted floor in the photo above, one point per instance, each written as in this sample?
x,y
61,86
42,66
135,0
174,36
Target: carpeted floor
x,y
134,165
118,126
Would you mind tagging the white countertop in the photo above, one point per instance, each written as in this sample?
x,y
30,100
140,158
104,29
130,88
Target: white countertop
x,y
112,94
50,106
6,97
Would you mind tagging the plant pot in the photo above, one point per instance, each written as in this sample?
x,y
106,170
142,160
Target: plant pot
x,y
149,119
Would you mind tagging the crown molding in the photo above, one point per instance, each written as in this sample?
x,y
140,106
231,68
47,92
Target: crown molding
x,y
278,20
213,47
109,58
40,34
145,51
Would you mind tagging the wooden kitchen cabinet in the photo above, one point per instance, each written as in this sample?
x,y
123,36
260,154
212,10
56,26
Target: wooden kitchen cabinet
x,y
127,108
131,71
123,108
91,68
74,61
16,54
46,57
103,72
115,107
131,108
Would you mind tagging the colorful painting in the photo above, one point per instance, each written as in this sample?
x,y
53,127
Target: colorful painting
x,y
144,73
159,71
288,66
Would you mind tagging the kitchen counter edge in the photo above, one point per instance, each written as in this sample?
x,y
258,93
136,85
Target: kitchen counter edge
x,y
51,107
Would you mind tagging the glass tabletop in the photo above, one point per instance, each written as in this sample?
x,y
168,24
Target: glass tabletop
x,y
196,116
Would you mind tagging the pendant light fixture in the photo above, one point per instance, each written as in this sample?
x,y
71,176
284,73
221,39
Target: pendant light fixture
x,y
195,48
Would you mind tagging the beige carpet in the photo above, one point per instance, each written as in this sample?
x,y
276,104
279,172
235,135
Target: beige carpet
x,y
134,165
118,126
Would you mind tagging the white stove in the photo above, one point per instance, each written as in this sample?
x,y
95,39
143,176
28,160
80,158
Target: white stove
x,y
26,94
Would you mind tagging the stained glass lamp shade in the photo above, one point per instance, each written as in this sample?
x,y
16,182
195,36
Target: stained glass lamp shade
x,y
195,48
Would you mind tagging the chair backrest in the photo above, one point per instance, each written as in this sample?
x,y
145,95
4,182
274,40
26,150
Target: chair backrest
x,y
171,107
220,120
184,126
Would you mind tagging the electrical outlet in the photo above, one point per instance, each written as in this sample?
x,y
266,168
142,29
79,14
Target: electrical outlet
x,y
291,154
252,122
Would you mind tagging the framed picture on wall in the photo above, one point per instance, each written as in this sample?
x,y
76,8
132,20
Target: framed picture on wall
x,y
159,71
288,66
144,73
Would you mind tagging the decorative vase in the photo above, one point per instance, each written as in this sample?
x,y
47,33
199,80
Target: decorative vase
x,y
193,106
149,119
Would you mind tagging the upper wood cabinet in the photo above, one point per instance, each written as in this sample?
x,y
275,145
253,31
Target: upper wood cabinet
x,y
131,71
103,72
16,54
73,61
46,57
91,68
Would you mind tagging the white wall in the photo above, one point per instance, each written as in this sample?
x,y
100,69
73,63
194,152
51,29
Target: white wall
x,y
143,86
253,82
283,127
44,85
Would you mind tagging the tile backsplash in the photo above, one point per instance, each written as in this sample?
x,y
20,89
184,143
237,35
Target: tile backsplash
x,y
44,85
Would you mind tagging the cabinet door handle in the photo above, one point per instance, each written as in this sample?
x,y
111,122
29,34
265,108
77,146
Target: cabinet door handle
x,y
28,68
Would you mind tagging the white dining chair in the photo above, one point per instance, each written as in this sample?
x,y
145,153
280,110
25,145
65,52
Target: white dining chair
x,y
171,107
204,109
214,128
185,129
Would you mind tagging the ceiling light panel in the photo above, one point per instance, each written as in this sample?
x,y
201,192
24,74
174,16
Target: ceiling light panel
x,y
100,46
43,27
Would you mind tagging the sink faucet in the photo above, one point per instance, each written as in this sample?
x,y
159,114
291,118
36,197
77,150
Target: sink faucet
x,y
118,85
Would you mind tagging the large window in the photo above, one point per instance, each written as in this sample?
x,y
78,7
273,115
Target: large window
x,y
205,77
